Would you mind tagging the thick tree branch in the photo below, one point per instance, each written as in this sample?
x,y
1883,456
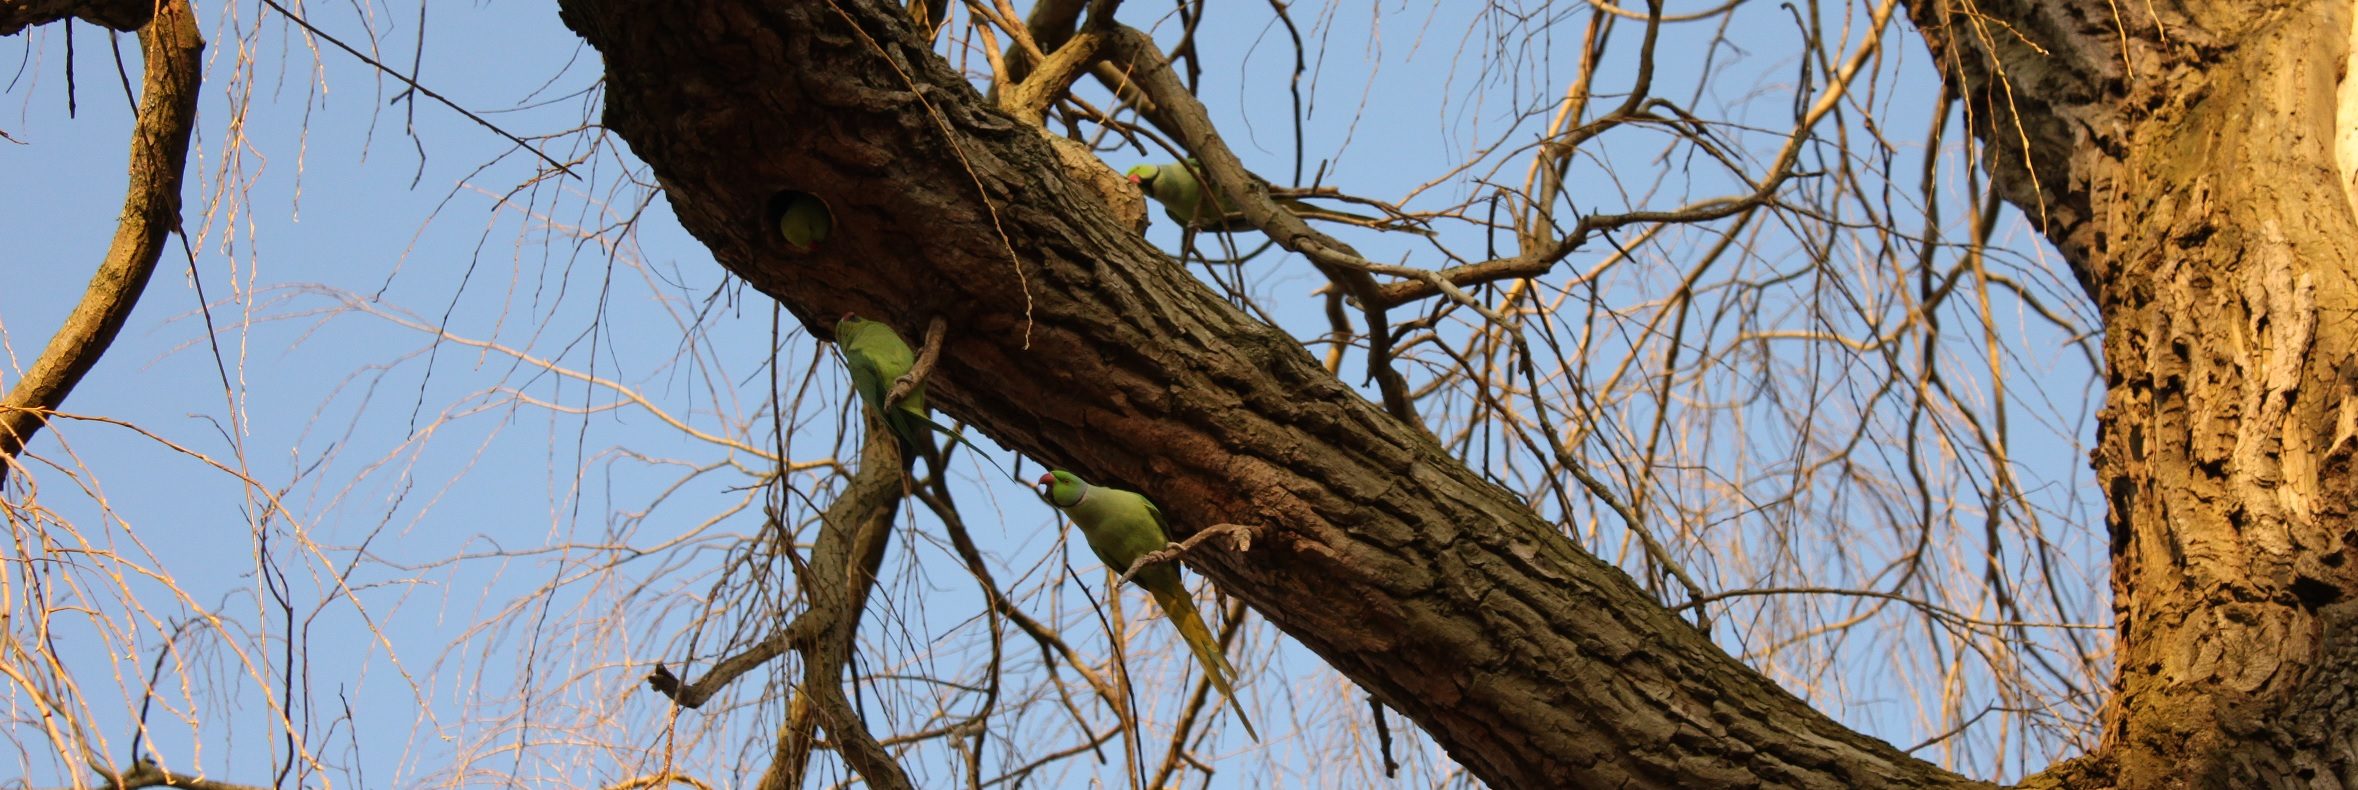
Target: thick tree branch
x,y
2054,89
842,571
17,15
1532,662
1029,100
171,48
148,774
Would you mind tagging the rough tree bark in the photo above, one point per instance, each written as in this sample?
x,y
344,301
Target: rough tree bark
x,y
2182,157
1072,339
16,15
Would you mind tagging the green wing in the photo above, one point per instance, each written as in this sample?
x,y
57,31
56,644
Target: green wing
x,y
1162,529
1163,584
877,357
867,378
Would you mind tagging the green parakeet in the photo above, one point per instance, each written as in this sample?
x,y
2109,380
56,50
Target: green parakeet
x,y
1121,526
805,221
1195,207
877,357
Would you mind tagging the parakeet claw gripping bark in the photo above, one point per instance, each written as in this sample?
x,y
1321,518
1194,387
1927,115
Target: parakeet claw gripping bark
x,y
877,357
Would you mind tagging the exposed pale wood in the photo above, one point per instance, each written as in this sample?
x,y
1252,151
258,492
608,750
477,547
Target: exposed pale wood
x,y
2181,157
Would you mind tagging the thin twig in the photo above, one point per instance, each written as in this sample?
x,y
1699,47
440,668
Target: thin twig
x,y
1169,552
413,85
926,357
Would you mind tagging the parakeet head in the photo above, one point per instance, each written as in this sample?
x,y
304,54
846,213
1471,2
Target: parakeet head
x,y
803,220
1062,489
1143,175
847,323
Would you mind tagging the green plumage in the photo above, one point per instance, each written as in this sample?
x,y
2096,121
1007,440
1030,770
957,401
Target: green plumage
x,y
1195,206
804,221
878,357
1122,526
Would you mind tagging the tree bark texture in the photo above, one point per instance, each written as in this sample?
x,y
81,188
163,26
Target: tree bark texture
x,y
1533,663
2182,158
17,15
841,574
171,47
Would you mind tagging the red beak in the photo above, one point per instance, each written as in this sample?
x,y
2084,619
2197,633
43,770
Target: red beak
x,y
1045,480
1133,178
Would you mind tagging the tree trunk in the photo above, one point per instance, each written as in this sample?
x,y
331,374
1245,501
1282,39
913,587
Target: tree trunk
x,y
2183,160
1533,663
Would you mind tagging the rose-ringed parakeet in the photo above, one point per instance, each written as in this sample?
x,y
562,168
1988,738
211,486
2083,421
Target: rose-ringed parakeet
x,y
1197,206
1121,526
803,220
878,357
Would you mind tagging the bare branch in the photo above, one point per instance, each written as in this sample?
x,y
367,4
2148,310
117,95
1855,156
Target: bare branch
x,y
146,773
1243,542
842,572
926,357
151,210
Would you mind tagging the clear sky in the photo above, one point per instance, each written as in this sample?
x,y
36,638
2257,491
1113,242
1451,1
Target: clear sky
x,y
461,523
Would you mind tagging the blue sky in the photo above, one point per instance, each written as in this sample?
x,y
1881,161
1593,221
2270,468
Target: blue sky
x,y
454,515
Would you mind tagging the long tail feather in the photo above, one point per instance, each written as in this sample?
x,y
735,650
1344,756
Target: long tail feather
x,y
1181,610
